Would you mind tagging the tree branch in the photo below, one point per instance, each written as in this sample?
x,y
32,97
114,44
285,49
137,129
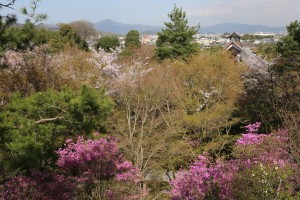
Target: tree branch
x,y
32,15
49,119
8,5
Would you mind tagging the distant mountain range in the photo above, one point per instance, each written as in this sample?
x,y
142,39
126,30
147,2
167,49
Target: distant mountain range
x,y
120,28
240,28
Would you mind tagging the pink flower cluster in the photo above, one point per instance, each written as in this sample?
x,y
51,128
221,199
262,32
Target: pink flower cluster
x,y
253,128
38,186
263,148
95,160
251,136
206,178
203,177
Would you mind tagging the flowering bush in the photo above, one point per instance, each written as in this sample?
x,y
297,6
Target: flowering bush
x,y
95,160
266,149
38,186
250,138
97,163
205,179
264,157
97,167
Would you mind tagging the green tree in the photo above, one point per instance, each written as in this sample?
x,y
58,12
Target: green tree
x,y
132,39
146,122
287,71
267,51
32,128
208,86
289,48
72,37
5,22
22,37
290,44
107,43
176,40
31,14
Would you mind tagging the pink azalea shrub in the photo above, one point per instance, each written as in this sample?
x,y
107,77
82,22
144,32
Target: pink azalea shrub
x,y
92,169
95,160
97,163
266,157
251,136
253,128
266,149
204,179
38,186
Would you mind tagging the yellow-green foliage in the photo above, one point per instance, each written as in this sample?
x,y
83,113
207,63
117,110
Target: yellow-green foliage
x,y
208,86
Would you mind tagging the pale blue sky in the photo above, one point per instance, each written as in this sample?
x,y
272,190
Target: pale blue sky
x,y
154,12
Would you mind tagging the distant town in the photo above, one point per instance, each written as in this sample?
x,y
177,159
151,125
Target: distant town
x,y
207,37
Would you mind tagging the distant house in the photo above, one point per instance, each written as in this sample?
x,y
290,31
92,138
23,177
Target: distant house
x,y
234,36
234,45
243,53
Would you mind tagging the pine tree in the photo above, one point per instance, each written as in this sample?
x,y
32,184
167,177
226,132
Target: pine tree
x,y
176,40
132,39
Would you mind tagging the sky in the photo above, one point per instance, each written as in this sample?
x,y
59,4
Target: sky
x,y
155,12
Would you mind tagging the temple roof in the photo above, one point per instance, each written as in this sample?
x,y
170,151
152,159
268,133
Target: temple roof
x,y
234,36
236,45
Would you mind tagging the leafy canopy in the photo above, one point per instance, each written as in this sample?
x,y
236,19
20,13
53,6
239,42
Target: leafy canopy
x,y
289,49
132,39
291,43
72,37
176,40
32,128
108,43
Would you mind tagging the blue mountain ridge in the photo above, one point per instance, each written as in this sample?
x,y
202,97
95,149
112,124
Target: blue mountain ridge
x,y
120,28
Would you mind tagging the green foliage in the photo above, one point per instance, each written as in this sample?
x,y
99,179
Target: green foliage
x,y
255,37
217,146
132,39
289,49
107,43
5,23
263,182
32,128
31,12
267,51
290,44
21,37
72,37
209,85
176,40
27,36
287,72
9,38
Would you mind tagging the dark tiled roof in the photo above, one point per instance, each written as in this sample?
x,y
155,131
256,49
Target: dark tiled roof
x,y
235,44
